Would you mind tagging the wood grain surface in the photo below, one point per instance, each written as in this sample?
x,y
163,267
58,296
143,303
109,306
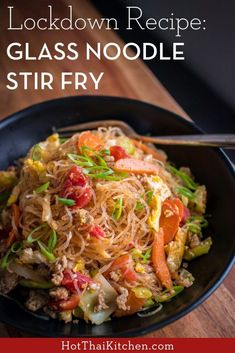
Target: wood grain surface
x,y
215,317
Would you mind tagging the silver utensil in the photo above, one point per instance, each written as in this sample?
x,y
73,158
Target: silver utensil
x,y
210,140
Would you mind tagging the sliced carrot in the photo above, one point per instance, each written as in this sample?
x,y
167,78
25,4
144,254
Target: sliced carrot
x,y
118,263
16,214
172,213
10,239
88,139
133,304
131,165
148,150
159,260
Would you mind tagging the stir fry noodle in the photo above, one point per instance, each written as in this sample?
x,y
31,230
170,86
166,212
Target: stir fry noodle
x,y
99,226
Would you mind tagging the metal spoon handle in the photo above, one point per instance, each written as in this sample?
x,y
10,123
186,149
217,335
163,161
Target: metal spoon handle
x,y
212,140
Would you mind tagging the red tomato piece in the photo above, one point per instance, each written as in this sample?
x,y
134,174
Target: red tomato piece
x,y
119,263
118,152
129,274
82,198
96,231
76,176
75,188
68,304
124,263
73,280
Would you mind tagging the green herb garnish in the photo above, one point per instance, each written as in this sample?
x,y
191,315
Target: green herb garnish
x,y
115,177
17,246
9,256
144,258
52,240
5,261
45,251
196,223
187,180
139,206
66,202
93,166
30,239
28,283
37,152
185,192
42,188
147,255
117,211
81,161
105,152
166,295
149,196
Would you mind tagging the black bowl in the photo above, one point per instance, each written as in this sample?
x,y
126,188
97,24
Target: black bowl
x,y
210,166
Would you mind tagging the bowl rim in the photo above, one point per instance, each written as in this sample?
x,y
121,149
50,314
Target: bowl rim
x,y
21,114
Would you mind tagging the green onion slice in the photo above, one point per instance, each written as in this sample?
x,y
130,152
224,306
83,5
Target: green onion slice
x,y
95,166
30,239
147,255
188,181
117,211
45,251
5,261
66,202
102,175
28,283
81,161
185,192
139,206
166,295
149,196
37,152
200,219
42,188
17,246
52,240
105,152
194,228
8,257
195,223
115,177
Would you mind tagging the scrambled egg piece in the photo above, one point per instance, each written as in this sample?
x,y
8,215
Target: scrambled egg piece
x,y
37,166
139,268
80,266
160,193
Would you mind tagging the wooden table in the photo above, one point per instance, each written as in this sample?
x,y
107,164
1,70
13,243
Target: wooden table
x,y
214,318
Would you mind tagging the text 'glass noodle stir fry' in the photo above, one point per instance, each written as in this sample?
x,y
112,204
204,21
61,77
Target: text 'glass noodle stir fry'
x,y
99,226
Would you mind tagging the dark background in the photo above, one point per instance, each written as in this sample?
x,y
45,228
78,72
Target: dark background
x,y
203,84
